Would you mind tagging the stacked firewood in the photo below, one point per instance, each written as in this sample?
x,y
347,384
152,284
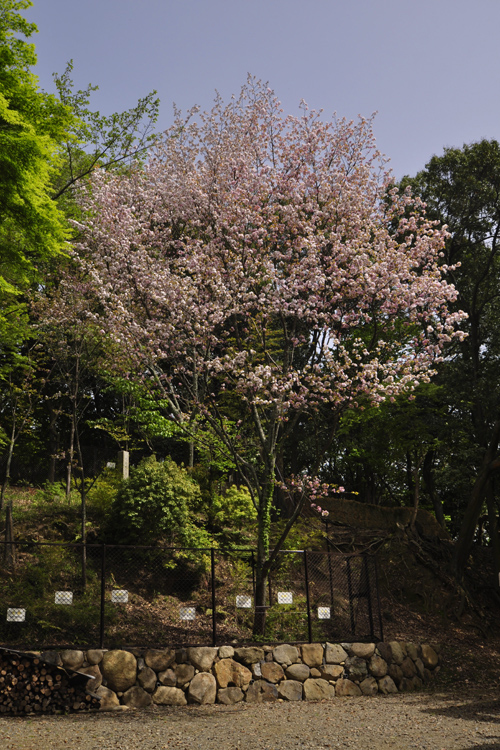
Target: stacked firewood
x,y
29,685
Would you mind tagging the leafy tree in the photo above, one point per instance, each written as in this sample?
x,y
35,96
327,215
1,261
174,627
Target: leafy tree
x,y
252,269
462,190
32,124
107,141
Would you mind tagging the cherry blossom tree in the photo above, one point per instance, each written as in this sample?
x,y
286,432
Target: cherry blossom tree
x,y
258,268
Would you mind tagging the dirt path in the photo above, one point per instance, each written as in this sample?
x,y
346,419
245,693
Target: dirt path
x,y
440,721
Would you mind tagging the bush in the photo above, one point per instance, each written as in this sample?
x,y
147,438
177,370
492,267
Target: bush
x,y
234,508
103,493
154,506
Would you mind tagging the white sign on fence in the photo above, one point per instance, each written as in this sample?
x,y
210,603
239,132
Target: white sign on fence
x,y
285,597
63,597
119,596
187,613
244,601
15,614
323,613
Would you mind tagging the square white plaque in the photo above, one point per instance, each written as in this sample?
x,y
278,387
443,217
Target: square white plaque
x,y
285,597
323,613
63,597
119,596
187,613
15,614
244,601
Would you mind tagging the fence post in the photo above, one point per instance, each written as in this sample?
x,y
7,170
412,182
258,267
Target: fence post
x,y
214,603
375,564
308,603
349,586
368,595
103,594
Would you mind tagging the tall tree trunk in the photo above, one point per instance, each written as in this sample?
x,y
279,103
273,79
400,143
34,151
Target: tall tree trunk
x,y
430,485
83,496
10,553
69,465
262,572
10,453
491,463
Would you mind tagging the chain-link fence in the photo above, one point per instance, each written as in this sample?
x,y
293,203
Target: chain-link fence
x,y
60,595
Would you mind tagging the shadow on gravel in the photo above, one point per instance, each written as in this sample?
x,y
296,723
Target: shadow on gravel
x,y
477,710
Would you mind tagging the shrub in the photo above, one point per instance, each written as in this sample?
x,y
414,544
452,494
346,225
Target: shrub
x,y
154,505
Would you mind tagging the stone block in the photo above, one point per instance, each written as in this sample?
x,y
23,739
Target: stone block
x,y
168,678
356,668
202,688
184,673
312,654
396,673
363,650
119,669
397,652
94,656
369,686
72,659
335,654
330,672
159,659
386,685
272,672
377,666
108,698
318,689
169,696
230,695
408,668
202,657
299,672
290,690
136,697
429,657
347,689
286,655
248,655
412,651
146,678
230,673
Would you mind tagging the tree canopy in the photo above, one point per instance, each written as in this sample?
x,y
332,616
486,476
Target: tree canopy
x,y
255,271
32,124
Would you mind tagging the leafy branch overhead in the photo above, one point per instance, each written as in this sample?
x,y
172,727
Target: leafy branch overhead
x,y
100,140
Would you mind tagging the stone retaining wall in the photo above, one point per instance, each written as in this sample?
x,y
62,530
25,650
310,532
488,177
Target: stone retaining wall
x,y
313,671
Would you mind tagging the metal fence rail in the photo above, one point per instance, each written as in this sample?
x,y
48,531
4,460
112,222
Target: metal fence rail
x,y
61,595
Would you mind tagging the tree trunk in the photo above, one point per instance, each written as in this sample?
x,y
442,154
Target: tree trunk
x,y
69,466
6,480
262,572
428,475
10,554
491,463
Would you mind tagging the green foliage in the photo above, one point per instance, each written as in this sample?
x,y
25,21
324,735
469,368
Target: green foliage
x,y
233,508
32,125
105,141
154,506
103,494
53,493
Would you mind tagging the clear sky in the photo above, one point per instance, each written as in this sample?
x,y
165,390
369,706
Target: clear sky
x,y
430,68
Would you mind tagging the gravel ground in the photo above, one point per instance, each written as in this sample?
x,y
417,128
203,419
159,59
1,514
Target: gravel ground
x,y
439,721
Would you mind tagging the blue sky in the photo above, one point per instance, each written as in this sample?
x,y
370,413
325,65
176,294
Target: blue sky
x,y
430,68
